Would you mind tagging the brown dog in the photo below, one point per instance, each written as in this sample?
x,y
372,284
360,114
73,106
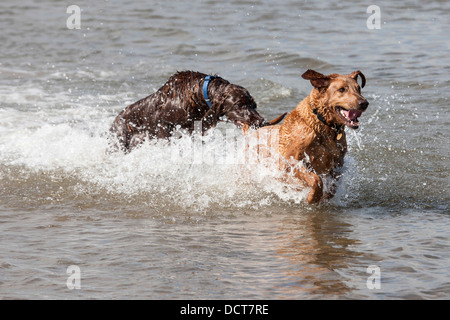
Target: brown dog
x,y
185,98
313,133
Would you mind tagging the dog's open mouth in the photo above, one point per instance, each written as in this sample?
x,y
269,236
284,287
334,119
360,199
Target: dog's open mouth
x,y
244,124
349,116
238,124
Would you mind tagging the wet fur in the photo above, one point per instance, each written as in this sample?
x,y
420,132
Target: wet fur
x,y
178,104
303,137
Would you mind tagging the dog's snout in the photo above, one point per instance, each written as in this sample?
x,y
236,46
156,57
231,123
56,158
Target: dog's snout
x,y
363,104
258,120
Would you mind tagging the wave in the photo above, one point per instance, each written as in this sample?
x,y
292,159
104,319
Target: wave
x,y
286,59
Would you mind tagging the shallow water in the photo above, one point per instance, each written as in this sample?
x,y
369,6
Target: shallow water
x,y
159,223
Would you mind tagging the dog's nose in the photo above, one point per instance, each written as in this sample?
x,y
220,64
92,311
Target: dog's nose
x,y
363,104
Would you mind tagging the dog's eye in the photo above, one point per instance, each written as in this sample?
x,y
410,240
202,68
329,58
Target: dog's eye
x,y
341,89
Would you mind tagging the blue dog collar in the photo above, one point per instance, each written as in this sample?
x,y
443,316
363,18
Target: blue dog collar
x,y
205,89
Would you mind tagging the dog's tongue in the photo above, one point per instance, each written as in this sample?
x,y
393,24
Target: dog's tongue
x,y
352,114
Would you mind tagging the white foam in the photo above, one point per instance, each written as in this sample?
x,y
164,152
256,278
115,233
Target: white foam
x,y
51,147
160,171
21,95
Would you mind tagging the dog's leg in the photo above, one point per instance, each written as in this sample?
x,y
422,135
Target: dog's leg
x,y
209,120
118,135
136,140
313,181
334,175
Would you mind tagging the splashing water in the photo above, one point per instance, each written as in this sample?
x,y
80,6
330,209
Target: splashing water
x,y
190,172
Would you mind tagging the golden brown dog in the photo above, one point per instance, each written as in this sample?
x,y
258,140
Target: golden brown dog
x,y
313,133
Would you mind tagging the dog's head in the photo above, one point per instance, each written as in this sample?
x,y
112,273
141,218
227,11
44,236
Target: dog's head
x,y
240,108
340,99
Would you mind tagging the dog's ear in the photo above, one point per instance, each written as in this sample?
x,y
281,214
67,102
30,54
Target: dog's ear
x,y
355,75
317,79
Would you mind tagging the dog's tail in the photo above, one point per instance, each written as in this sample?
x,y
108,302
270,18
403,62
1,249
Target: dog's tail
x,y
274,121
246,127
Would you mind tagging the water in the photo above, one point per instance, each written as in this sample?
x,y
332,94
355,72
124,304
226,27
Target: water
x,y
142,226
